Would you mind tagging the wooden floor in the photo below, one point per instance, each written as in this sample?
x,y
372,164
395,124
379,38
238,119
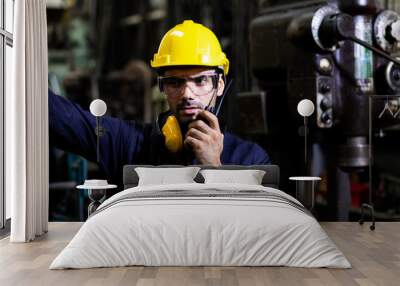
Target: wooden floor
x,y
374,255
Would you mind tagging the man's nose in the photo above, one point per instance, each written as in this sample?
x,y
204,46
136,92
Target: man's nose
x,y
187,92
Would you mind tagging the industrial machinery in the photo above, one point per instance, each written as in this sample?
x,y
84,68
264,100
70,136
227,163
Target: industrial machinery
x,y
337,54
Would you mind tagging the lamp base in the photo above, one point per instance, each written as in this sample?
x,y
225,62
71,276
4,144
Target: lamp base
x,y
97,196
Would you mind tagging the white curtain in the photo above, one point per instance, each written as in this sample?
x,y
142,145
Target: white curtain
x,y
27,124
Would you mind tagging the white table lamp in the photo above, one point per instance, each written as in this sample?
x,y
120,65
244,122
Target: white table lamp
x,y
305,108
98,108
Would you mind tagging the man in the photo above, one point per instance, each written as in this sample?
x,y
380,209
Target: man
x,y
192,70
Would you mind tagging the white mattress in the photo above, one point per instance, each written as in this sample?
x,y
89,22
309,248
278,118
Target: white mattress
x,y
267,229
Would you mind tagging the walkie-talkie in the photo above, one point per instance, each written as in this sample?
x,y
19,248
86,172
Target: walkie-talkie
x,y
215,110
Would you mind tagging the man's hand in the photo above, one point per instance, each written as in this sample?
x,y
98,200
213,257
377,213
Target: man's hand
x,y
206,141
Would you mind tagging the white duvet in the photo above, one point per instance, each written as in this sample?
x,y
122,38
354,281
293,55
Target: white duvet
x,y
139,227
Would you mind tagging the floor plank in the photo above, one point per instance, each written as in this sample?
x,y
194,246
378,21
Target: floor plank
x,y
374,255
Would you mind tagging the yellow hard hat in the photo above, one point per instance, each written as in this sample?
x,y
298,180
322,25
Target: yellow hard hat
x,y
190,44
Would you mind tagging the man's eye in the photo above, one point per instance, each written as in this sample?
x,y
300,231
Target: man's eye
x,y
175,82
200,80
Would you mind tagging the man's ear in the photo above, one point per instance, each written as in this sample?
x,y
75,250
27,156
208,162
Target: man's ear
x,y
221,86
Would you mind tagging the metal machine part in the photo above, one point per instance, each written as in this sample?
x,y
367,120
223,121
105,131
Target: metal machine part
x,y
387,77
354,154
325,52
363,58
324,102
324,90
319,16
338,54
387,30
316,29
324,66
392,76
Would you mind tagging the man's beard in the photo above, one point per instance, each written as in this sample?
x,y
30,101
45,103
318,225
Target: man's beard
x,y
186,111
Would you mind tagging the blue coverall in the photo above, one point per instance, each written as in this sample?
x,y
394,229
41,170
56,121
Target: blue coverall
x,y
130,142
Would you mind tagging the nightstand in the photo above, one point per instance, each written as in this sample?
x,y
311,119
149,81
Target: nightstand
x,y
305,190
96,191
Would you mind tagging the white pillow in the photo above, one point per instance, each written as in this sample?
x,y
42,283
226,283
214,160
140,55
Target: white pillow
x,y
163,176
249,177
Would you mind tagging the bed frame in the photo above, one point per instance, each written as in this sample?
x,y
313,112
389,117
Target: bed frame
x,y
270,179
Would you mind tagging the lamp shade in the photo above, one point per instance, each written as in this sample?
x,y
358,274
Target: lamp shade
x,y
305,107
98,107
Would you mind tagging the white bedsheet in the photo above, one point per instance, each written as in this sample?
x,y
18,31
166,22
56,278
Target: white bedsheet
x,y
180,231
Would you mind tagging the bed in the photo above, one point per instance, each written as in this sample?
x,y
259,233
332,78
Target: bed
x,y
201,224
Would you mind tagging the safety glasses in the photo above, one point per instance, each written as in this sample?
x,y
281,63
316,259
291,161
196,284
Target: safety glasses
x,y
200,85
